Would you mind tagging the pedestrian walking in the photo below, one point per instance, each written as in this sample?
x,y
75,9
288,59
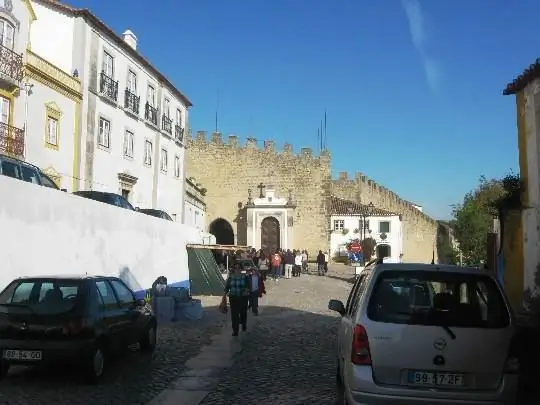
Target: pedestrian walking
x,y
297,264
238,288
289,263
276,266
304,260
257,291
320,263
326,259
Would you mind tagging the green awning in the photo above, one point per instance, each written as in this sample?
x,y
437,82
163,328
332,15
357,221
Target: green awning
x,y
204,274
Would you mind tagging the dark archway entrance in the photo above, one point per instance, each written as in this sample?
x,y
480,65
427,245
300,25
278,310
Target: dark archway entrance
x,y
270,235
383,251
223,231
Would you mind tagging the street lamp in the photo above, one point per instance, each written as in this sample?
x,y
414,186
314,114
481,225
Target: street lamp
x,y
368,212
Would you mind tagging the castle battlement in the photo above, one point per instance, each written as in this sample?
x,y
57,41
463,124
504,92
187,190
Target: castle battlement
x,y
383,194
251,144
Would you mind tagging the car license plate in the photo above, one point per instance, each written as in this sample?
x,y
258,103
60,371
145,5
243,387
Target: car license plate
x,y
436,379
24,355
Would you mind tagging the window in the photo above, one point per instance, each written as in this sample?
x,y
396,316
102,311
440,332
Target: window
x,y
7,34
164,160
151,96
10,169
384,227
355,300
339,224
46,181
104,134
363,225
29,174
177,166
147,153
52,131
107,293
167,107
438,299
179,117
108,64
124,294
4,110
129,139
125,194
132,82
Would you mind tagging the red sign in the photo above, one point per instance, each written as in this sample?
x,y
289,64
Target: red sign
x,y
355,248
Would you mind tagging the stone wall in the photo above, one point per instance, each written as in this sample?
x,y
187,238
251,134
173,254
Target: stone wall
x,y
419,230
227,170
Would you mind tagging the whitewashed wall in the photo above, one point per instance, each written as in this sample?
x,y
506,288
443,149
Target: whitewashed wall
x,y
45,231
394,238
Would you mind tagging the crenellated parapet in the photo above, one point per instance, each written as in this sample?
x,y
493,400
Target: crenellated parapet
x,y
369,190
251,145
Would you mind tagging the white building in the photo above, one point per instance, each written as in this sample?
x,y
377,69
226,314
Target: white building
x,y
132,118
39,102
194,205
351,221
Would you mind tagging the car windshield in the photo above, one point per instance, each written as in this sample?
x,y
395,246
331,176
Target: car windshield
x,y
44,296
438,298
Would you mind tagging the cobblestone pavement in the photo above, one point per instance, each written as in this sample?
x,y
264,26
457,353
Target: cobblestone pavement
x,y
132,380
288,356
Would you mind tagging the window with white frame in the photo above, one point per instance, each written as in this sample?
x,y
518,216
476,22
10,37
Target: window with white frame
x,y
104,132
339,224
179,117
4,110
52,131
384,227
167,107
363,224
164,160
129,141
132,82
151,96
108,64
147,153
177,166
7,34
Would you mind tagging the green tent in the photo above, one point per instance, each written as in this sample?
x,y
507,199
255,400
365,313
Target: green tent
x,y
204,274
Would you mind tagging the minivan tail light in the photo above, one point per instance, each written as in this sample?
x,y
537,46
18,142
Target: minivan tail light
x,y
512,365
360,354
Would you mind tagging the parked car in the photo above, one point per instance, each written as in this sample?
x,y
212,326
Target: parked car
x,y
107,198
423,333
79,321
21,170
156,213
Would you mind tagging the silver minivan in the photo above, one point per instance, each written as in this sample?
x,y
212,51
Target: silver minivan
x,y
424,334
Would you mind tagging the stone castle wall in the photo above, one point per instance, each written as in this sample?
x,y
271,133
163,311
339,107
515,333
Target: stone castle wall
x,y
419,230
227,170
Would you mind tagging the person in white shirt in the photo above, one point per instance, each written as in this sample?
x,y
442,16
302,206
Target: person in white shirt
x,y
298,261
326,257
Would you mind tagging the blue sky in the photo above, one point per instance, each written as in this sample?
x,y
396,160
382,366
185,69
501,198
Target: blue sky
x,y
412,88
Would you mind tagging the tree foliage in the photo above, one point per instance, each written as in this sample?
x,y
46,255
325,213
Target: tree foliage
x,y
474,218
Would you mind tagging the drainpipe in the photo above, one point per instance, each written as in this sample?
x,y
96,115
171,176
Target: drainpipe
x,y
27,88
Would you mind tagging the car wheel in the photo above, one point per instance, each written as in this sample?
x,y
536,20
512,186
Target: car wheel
x,y
95,368
4,369
148,341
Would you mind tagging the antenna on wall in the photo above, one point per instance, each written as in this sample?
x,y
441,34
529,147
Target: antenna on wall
x,y
217,109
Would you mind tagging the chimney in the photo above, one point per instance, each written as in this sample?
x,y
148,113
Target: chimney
x,y
130,39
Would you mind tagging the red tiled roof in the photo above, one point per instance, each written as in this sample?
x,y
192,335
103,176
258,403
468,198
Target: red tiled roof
x,y
339,206
91,18
520,82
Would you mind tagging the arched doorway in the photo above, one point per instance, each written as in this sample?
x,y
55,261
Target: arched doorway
x,y
383,251
270,235
223,231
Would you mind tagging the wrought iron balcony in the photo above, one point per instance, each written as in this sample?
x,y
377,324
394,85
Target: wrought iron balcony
x,y
108,87
179,133
166,124
11,140
131,102
150,114
11,64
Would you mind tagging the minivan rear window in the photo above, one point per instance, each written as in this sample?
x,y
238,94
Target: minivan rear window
x,y
46,297
438,298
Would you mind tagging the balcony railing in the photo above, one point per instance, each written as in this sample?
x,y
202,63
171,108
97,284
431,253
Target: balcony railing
x,y
150,114
179,133
131,102
166,124
11,140
108,87
11,64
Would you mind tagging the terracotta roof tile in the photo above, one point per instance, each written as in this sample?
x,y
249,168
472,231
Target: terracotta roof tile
x,y
90,17
339,206
520,82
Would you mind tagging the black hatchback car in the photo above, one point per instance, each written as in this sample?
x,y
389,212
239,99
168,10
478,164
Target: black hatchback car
x,y
77,320
107,198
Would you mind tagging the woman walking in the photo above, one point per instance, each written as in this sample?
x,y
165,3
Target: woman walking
x,y
238,288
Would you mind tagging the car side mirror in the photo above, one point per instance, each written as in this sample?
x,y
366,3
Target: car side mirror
x,y
137,209
337,306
